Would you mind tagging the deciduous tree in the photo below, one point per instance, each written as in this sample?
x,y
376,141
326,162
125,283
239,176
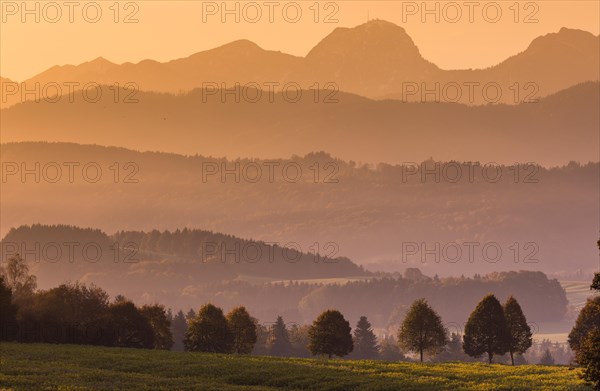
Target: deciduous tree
x,y
161,326
587,320
519,331
244,330
486,330
18,279
208,332
422,330
131,329
588,356
330,334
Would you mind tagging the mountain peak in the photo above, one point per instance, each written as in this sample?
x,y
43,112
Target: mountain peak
x,y
566,36
100,61
371,42
99,64
240,44
381,24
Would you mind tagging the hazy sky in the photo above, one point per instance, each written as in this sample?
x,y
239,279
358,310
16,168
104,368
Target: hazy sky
x,y
467,35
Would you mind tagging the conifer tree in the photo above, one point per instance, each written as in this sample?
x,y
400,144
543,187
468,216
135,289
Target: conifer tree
x,y
365,341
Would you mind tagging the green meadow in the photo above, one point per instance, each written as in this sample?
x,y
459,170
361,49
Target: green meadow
x,y
73,367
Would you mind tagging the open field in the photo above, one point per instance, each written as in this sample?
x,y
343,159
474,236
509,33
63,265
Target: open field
x,y
577,292
70,367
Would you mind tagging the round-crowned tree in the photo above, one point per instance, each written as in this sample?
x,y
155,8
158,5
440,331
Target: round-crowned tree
x,y
422,330
131,328
208,331
243,329
588,356
330,334
587,320
486,330
584,340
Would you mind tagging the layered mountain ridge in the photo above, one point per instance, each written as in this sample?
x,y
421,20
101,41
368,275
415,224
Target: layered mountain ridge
x,y
377,59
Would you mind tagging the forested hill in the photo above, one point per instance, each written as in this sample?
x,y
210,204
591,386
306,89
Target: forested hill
x,y
368,211
181,269
62,252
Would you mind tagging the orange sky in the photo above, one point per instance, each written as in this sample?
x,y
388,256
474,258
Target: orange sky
x,y
171,29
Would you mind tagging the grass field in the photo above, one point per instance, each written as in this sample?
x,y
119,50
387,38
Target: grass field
x,y
70,367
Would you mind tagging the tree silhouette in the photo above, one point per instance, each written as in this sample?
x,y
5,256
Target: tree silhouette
x,y
587,320
588,356
299,339
208,332
8,312
178,329
584,339
422,330
389,350
280,340
453,351
547,358
131,328
330,334
519,331
191,314
161,326
596,282
18,279
486,330
365,341
244,330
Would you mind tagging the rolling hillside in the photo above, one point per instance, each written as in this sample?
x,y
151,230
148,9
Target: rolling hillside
x,y
554,131
367,213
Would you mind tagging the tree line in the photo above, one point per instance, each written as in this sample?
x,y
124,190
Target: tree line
x,y
384,296
76,313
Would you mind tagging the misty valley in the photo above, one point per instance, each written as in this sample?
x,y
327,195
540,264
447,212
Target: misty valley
x,y
195,196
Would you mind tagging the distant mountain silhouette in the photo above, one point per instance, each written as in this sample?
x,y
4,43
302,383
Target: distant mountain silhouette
x,y
377,59
554,131
371,60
